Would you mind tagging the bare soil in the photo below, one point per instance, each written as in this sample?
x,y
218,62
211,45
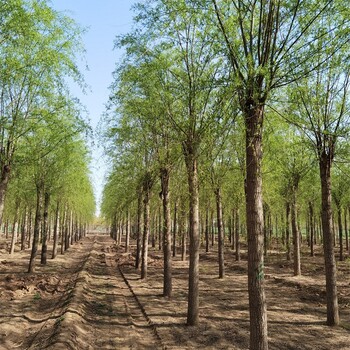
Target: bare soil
x,y
92,298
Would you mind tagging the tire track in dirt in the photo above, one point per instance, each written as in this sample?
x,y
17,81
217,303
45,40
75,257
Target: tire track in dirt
x,y
102,312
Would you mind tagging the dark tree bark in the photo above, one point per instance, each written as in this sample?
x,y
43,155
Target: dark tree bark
x,y
138,230
312,229
56,228
45,229
147,185
190,153
127,232
207,229
325,161
174,229
237,234
37,226
346,231
288,231
63,231
233,230
24,229
160,230
340,229
4,179
220,232
167,281
295,232
255,226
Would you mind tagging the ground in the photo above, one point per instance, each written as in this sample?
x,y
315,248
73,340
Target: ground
x,y
92,298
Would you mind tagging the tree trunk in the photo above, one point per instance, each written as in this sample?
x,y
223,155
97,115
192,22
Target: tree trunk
x,y
288,231
5,176
207,229
296,235
167,282
346,231
183,232
56,228
160,230
138,228
340,231
330,265
220,233
14,231
193,278
63,231
37,226
127,232
146,223
255,228
24,229
45,229
233,230
237,239
174,229
312,229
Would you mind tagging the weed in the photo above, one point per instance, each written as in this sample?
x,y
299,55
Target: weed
x,y
37,296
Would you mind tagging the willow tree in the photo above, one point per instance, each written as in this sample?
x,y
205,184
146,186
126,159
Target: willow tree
x,y
176,30
265,44
323,115
47,154
38,52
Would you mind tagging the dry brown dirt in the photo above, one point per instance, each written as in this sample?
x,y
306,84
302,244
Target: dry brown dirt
x,y
93,298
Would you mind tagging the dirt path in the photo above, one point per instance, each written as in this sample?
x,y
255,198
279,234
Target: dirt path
x,y
92,298
78,301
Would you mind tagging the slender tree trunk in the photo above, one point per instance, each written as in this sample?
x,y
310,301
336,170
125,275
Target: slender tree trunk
x,y
255,228
233,229
14,231
45,229
56,229
175,229
146,221
346,231
329,256
37,226
212,229
296,235
6,229
312,229
167,282
160,230
24,229
138,228
237,239
29,228
63,231
220,233
183,232
4,179
288,231
265,220
207,229
127,232
153,229
340,231
193,278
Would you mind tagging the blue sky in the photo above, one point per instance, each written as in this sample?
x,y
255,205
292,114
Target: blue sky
x,y
104,19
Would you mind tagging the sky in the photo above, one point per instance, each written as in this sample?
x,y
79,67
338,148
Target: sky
x,y
104,20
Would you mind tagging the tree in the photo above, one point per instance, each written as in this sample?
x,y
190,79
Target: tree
x,y
323,116
38,52
264,43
